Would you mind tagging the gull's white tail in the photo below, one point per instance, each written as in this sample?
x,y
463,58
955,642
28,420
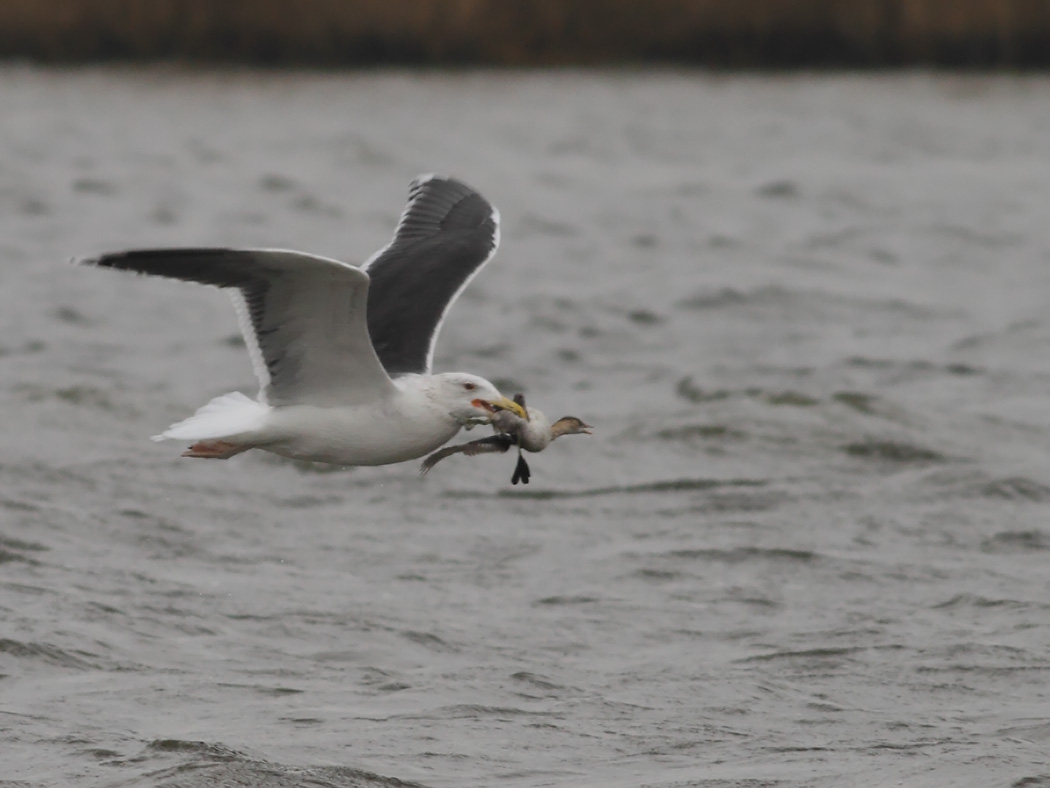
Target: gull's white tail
x,y
224,417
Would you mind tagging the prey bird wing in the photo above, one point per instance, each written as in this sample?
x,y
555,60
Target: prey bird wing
x,y
446,234
494,444
304,318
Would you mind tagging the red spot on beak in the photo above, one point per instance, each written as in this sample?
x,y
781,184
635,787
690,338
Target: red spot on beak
x,y
480,403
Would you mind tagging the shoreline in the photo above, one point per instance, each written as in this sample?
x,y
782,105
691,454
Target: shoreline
x,y
749,34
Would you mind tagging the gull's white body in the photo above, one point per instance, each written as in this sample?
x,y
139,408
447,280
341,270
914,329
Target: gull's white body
x,y
406,425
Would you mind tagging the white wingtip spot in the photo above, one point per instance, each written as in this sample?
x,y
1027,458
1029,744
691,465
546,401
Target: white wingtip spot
x,y
495,221
426,177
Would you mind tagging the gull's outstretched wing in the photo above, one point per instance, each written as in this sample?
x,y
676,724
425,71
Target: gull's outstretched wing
x,y
494,444
446,235
304,318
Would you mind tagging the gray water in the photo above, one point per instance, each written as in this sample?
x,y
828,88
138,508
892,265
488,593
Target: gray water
x,y
807,546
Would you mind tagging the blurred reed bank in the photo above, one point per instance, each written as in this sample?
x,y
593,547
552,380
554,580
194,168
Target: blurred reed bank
x,y
741,33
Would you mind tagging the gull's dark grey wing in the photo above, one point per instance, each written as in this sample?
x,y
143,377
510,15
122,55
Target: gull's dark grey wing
x,y
494,444
446,234
303,317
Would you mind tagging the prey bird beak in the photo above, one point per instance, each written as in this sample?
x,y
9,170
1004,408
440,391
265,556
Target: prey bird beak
x,y
501,404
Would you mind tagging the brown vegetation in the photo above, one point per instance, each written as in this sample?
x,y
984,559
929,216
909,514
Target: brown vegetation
x,y
525,32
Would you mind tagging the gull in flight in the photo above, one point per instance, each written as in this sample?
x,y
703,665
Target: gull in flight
x,y
343,353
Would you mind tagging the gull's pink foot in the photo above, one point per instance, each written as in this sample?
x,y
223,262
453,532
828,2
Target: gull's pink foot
x,y
214,450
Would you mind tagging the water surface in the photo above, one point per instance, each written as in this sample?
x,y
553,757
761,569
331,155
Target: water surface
x,y
808,545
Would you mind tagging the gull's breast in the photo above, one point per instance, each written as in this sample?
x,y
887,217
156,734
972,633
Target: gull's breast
x,y
374,434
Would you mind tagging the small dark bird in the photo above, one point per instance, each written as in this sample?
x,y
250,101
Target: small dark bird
x,y
532,434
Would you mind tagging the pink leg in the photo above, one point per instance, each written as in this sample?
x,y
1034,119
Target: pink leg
x,y
214,450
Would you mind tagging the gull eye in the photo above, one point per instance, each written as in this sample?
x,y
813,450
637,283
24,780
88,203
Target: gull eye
x,y
469,386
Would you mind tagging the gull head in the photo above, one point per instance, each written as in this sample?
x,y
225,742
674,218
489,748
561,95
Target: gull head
x,y
471,399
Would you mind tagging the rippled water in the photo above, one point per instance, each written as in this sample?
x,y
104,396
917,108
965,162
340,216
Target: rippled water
x,y
808,545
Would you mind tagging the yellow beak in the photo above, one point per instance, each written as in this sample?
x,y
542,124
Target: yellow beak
x,y
502,404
